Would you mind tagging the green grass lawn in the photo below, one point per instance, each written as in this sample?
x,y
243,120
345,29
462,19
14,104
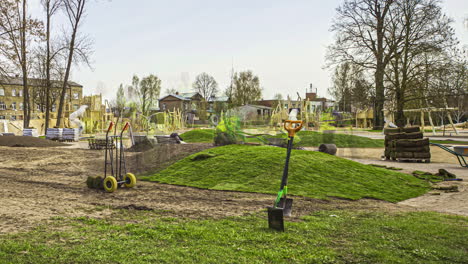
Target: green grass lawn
x,y
312,174
323,237
306,139
450,142
314,139
198,136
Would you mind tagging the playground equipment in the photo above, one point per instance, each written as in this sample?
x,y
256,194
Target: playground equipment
x,y
283,205
460,152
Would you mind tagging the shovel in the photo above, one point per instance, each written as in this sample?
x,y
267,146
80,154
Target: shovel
x,y
283,205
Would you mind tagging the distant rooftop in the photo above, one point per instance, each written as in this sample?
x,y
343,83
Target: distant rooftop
x,y
8,80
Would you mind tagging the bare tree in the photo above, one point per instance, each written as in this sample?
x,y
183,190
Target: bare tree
x,y
206,85
50,8
423,29
17,30
79,48
361,30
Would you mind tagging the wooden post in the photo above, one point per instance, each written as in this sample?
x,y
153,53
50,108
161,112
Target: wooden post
x,y
450,117
432,123
422,121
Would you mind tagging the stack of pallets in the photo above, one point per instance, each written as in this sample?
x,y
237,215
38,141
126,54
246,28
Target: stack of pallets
x,y
30,132
70,134
406,144
54,134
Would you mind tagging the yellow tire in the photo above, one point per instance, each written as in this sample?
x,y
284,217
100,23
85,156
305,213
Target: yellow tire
x,y
130,180
110,184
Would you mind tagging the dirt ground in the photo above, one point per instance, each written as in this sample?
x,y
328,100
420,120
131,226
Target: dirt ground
x,y
436,200
39,184
20,141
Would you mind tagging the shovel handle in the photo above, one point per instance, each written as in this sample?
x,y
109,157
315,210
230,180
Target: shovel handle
x,y
292,130
126,126
110,127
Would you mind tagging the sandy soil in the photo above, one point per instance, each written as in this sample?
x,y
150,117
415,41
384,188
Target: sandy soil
x,y
438,155
41,183
436,200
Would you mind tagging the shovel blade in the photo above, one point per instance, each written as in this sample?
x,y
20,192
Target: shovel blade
x,y
275,218
286,204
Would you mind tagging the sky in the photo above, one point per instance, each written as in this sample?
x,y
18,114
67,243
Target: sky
x,y
282,42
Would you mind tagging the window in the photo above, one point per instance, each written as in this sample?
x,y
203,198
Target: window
x,y
20,93
76,96
38,107
164,106
54,108
2,106
13,118
75,107
13,106
2,92
2,117
13,92
21,106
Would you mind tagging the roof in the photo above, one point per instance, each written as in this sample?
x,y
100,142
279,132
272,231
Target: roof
x,y
181,96
176,96
8,80
219,99
257,106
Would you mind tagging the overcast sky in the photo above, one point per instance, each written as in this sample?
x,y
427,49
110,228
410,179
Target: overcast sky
x,y
281,41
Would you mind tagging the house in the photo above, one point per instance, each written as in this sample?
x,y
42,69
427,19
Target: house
x,y
250,112
216,104
312,103
11,98
184,102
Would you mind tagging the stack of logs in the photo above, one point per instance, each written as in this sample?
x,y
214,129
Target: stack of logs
x,y
406,144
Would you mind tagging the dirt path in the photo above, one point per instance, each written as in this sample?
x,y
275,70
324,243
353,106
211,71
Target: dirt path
x,y
436,200
41,183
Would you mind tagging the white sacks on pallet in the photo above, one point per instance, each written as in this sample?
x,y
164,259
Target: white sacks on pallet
x,y
30,132
71,134
54,133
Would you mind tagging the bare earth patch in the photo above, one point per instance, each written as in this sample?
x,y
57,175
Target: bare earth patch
x,y
42,183
436,200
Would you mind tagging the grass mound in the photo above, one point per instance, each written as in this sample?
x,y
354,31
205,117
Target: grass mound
x,y
314,139
311,174
307,139
198,136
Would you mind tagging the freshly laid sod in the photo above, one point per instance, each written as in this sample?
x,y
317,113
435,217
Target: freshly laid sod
x,y
307,139
324,237
314,139
312,174
198,136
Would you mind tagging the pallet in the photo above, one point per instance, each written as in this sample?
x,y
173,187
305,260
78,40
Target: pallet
x,y
413,160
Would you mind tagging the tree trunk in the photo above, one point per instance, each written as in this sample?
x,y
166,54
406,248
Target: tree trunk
x,y
67,75
24,68
379,98
47,103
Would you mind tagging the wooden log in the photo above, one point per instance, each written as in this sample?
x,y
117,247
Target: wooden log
x,y
410,129
412,142
413,149
328,148
422,155
392,130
